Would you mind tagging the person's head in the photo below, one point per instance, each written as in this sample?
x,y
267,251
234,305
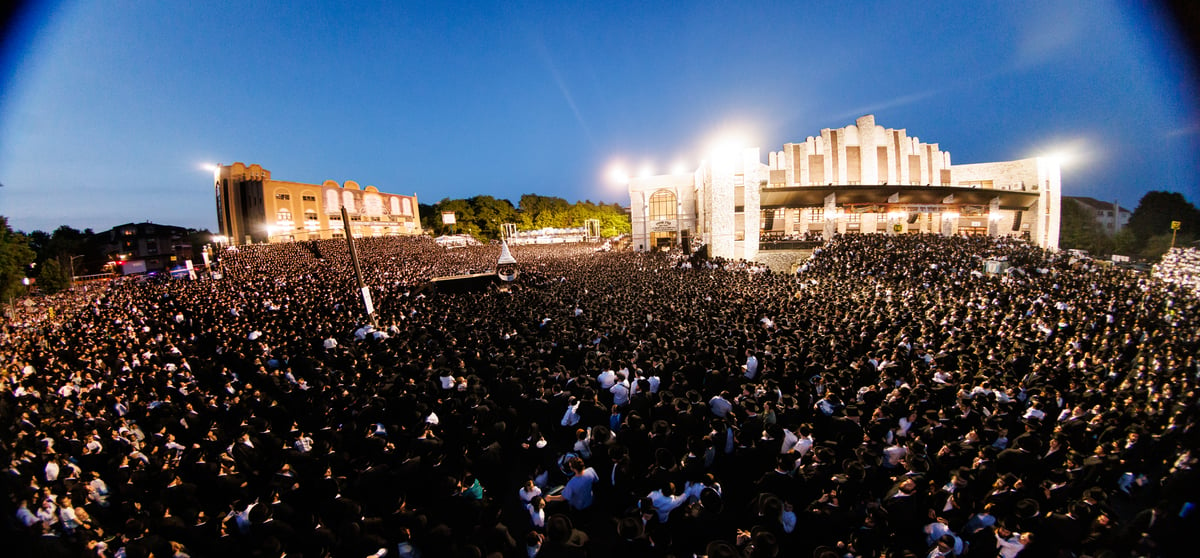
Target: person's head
x,y
576,465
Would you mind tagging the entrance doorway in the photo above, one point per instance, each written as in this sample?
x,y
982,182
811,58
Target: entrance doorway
x,y
662,240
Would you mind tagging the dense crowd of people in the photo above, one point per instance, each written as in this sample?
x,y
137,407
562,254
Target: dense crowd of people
x,y
1180,266
890,399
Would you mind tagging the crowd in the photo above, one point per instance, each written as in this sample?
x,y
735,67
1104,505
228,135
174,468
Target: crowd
x,y
891,399
1180,266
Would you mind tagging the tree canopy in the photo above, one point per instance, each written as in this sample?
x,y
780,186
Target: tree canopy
x,y
1151,223
15,257
1080,231
481,216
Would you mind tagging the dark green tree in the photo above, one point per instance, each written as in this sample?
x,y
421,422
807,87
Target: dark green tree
x,y
15,257
1158,245
1080,231
51,277
1154,214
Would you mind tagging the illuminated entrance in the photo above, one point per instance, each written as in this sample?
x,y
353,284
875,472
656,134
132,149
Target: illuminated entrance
x,y
664,219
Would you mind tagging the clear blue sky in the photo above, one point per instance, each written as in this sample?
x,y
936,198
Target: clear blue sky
x,y
109,109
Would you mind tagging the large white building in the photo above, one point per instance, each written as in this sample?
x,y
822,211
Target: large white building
x,y
861,178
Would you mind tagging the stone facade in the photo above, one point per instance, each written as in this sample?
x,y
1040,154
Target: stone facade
x,y
861,178
253,207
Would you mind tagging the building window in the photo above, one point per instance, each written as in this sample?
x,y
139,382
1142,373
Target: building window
x,y
310,215
663,206
284,214
853,217
816,215
309,198
282,196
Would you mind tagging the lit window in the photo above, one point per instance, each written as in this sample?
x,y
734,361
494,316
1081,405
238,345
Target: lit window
x,y
662,205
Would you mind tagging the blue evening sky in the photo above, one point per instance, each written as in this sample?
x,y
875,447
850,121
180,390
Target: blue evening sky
x,y
109,109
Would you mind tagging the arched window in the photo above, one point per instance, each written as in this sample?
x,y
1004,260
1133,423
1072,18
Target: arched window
x,y
663,206
406,207
394,204
310,215
331,201
372,204
348,201
283,215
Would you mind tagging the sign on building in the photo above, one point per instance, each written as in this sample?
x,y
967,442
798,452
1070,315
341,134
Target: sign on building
x,y
448,218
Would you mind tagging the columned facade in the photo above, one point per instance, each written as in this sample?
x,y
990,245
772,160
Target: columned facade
x,y
862,178
252,207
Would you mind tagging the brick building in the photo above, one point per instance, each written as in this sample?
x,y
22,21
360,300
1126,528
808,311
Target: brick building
x,y
253,207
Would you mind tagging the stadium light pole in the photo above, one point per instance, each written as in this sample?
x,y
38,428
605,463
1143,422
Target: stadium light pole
x,y
362,286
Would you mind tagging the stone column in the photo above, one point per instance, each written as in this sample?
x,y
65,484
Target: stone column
x,y
830,216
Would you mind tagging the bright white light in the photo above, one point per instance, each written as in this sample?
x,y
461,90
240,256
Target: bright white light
x,y
994,217
618,174
728,145
219,239
270,230
897,215
646,171
679,168
1071,153
949,215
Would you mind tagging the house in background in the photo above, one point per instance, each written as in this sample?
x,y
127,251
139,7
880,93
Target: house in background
x,y
1109,215
144,247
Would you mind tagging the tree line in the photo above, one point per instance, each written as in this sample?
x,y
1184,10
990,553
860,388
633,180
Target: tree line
x,y
482,216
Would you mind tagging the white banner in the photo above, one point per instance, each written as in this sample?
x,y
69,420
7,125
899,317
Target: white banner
x,y
366,291
666,225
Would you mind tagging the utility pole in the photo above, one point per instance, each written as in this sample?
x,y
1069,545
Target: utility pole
x,y
73,270
362,286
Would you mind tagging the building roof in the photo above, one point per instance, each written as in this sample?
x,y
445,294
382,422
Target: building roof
x,y
811,196
1095,204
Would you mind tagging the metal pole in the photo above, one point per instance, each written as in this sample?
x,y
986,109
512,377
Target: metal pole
x,y
362,286
73,270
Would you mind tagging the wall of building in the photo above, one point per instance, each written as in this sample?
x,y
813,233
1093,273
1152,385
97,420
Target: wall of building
x,y
728,191
861,153
252,207
640,191
1038,174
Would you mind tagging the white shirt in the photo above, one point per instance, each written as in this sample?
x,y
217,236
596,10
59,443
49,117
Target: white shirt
x,y
620,392
664,504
